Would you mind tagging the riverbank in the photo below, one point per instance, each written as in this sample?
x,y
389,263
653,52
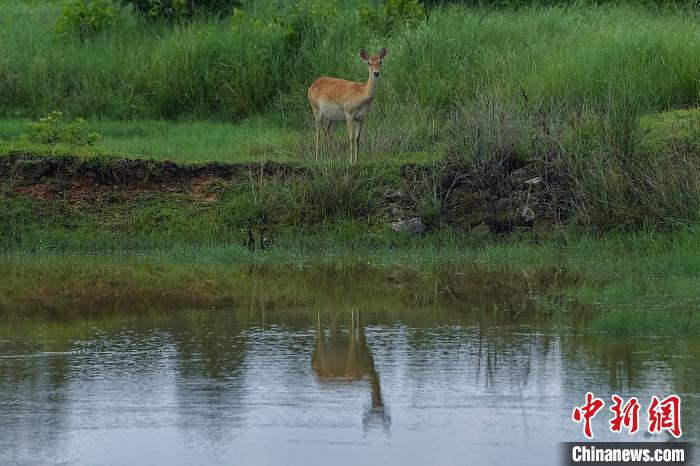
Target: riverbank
x,y
629,284
96,202
95,226
92,198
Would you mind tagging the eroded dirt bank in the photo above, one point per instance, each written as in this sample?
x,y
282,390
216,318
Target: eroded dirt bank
x,y
499,199
77,179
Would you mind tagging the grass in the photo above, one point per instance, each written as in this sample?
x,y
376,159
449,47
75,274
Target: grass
x,y
613,58
197,141
221,212
647,323
252,141
675,131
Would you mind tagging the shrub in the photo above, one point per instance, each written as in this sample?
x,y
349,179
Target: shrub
x,y
488,130
85,18
392,15
337,190
640,186
178,10
54,128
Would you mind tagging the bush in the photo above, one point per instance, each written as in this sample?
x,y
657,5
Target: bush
x,y
392,15
178,10
85,18
54,128
337,190
654,183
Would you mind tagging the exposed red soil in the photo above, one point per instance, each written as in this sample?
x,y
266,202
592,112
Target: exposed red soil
x,y
88,181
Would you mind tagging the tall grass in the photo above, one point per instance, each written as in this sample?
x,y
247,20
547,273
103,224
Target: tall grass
x,y
607,57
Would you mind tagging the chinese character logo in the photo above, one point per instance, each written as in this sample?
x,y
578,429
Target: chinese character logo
x,y
665,415
626,415
587,412
662,415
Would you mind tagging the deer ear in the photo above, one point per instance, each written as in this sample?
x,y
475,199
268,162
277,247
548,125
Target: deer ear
x,y
364,55
383,53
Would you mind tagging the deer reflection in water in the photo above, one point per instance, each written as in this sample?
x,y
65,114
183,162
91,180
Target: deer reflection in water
x,y
342,356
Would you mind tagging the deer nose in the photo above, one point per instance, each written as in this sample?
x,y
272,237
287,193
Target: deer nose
x,y
376,73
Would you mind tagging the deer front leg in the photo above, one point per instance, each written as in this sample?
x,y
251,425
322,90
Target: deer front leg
x,y
351,133
358,131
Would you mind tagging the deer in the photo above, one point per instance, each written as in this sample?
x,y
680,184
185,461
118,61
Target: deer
x,y
335,100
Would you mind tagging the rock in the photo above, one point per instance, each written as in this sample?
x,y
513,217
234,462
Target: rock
x,y
467,207
411,226
528,214
481,229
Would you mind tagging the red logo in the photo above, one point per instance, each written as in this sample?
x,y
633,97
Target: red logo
x,y
626,416
587,412
665,415
662,415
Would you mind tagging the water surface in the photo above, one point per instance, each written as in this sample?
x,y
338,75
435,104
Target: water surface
x,y
285,365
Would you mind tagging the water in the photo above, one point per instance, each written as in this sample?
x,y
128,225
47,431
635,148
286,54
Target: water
x,y
269,366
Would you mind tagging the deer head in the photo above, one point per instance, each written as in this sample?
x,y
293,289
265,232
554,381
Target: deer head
x,y
374,61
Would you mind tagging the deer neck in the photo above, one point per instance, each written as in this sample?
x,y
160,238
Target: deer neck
x,y
371,87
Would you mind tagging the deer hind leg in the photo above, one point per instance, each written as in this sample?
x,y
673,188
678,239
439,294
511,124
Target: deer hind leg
x,y
317,123
330,127
357,132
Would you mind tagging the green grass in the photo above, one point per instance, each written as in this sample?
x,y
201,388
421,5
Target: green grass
x,y
251,141
608,58
675,131
647,323
197,141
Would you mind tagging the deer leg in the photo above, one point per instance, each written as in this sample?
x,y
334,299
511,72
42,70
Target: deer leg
x,y
330,128
317,122
358,131
351,132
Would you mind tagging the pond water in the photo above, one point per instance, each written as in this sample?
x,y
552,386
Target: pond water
x,y
269,366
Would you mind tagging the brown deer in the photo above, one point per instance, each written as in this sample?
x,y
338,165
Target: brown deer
x,y
336,100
